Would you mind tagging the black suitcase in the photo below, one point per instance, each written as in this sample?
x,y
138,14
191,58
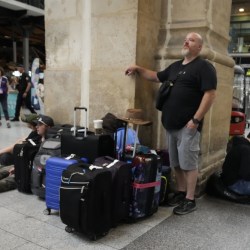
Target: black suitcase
x,y
85,145
121,186
50,147
85,199
23,161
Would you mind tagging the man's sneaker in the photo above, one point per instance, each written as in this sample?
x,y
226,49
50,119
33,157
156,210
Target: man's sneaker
x,y
8,125
187,206
15,119
176,199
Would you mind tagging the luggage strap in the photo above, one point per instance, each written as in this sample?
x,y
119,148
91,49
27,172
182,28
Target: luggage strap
x,y
146,185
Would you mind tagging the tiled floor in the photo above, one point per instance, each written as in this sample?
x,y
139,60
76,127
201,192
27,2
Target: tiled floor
x,y
24,226
216,225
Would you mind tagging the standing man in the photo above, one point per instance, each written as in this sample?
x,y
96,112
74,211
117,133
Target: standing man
x,y
24,93
4,97
183,111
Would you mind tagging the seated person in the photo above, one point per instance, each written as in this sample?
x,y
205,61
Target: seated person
x,y
41,124
236,167
6,154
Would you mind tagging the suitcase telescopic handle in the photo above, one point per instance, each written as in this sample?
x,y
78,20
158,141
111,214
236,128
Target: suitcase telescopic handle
x,y
75,108
80,108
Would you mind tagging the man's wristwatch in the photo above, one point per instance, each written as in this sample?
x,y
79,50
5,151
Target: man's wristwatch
x,y
195,121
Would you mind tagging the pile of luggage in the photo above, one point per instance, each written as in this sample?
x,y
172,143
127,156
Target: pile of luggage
x,y
80,174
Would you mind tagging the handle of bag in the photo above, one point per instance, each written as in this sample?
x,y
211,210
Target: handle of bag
x,y
125,125
80,108
136,137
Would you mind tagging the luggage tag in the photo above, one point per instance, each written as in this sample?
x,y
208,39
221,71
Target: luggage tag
x,y
32,142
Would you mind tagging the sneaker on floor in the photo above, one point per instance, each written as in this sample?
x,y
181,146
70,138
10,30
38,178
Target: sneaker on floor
x,y
176,199
187,206
15,119
0,124
8,125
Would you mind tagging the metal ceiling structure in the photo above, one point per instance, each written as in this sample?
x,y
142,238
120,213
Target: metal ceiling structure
x,y
26,18
19,20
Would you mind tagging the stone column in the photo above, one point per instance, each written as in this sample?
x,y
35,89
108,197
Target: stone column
x,y
89,44
68,49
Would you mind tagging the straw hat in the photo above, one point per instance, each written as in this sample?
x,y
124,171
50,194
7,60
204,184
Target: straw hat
x,y
134,116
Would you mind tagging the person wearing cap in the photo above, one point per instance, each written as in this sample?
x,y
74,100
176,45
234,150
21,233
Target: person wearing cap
x,y
39,126
4,96
6,154
43,123
24,93
192,94
7,181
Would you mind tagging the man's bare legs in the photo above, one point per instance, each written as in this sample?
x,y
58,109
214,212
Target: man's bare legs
x,y
186,181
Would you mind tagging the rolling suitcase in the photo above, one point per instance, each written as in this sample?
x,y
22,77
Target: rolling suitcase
x,y
146,181
85,199
23,161
49,148
86,145
121,185
53,171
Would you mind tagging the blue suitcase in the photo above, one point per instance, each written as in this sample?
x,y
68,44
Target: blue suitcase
x,y
54,168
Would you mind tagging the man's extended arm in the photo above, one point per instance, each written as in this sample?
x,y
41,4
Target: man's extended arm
x,y
143,72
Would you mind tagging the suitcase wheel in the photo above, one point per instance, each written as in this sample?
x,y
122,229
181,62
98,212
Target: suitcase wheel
x,y
47,211
93,237
69,229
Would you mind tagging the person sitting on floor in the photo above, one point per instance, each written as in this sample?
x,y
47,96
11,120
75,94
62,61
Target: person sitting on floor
x,y
236,167
39,126
6,154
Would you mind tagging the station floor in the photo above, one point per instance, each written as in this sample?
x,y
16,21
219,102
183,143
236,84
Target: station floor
x,y
216,224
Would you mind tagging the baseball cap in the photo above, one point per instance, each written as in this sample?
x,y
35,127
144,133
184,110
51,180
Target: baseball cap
x,y
46,120
30,118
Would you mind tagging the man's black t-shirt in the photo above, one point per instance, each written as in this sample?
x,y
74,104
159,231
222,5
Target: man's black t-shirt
x,y
191,81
